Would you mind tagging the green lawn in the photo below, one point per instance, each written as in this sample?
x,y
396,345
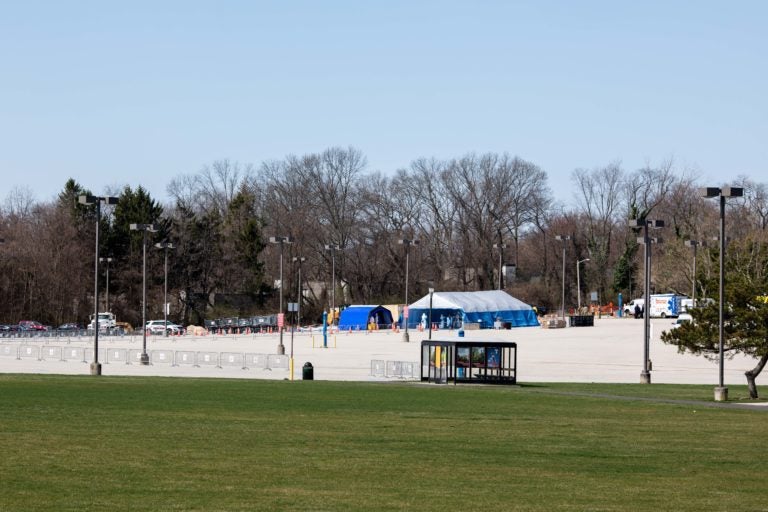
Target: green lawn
x,y
120,443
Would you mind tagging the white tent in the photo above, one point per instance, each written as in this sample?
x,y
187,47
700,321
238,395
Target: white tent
x,y
484,308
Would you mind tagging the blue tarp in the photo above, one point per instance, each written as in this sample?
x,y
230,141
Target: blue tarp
x,y
358,317
484,308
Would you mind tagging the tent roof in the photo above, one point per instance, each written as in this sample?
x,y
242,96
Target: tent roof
x,y
471,302
359,315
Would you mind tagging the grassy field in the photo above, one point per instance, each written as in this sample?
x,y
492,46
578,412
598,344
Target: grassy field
x,y
120,443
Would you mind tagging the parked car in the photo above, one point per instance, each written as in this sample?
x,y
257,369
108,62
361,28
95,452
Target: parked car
x,y
158,327
6,328
31,325
71,326
682,319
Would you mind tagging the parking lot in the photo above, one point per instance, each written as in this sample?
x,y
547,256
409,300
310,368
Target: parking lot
x,y
611,351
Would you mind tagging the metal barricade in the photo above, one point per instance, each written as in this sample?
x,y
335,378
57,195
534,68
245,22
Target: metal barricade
x,y
28,352
256,361
117,355
411,370
73,354
235,359
134,355
161,357
377,368
401,370
9,350
89,355
49,352
183,357
277,362
394,369
207,359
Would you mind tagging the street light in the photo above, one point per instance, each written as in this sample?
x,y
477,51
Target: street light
x,y
333,248
144,228
407,243
282,240
721,392
431,293
645,375
106,300
695,244
165,246
97,200
564,239
299,260
578,282
501,248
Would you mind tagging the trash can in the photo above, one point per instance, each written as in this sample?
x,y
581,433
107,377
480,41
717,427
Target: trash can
x,y
308,372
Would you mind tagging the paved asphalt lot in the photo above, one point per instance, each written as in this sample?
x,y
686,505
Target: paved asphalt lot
x,y
611,351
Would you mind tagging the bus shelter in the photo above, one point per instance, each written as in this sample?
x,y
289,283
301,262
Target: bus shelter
x,y
470,362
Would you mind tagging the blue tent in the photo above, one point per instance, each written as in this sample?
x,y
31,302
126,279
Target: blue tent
x,y
358,317
456,308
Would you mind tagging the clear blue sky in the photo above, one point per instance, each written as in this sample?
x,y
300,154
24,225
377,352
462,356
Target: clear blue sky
x,y
114,93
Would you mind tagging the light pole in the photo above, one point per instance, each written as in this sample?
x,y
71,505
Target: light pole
x,y
501,248
645,375
407,243
695,244
144,228
431,293
299,260
165,246
564,239
721,392
333,248
106,298
282,240
97,200
578,282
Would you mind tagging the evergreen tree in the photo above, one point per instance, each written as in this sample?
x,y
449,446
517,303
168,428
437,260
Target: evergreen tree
x,y
745,313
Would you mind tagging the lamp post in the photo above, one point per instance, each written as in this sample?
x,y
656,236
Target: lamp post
x,y
282,240
721,392
333,248
407,243
97,200
431,293
645,374
165,246
501,248
298,260
695,244
578,282
564,239
106,298
144,228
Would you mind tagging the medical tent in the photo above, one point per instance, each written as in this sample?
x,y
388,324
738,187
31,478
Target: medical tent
x,y
358,317
453,309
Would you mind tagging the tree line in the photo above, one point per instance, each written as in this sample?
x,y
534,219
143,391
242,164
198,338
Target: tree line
x,y
467,213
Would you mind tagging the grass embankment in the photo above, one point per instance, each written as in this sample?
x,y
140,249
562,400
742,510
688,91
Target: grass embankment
x,y
119,443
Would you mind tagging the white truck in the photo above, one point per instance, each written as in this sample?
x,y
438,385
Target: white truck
x,y
107,322
662,305
629,307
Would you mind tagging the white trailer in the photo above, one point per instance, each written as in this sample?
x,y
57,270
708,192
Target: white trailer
x,y
665,305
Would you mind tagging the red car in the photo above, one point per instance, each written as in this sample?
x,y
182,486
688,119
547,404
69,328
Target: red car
x,y
31,325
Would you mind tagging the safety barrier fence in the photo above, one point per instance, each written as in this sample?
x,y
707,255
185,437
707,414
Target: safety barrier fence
x,y
124,337
62,334
395,369
198,359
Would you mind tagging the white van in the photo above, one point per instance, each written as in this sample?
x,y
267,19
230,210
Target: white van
x,y
629,308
